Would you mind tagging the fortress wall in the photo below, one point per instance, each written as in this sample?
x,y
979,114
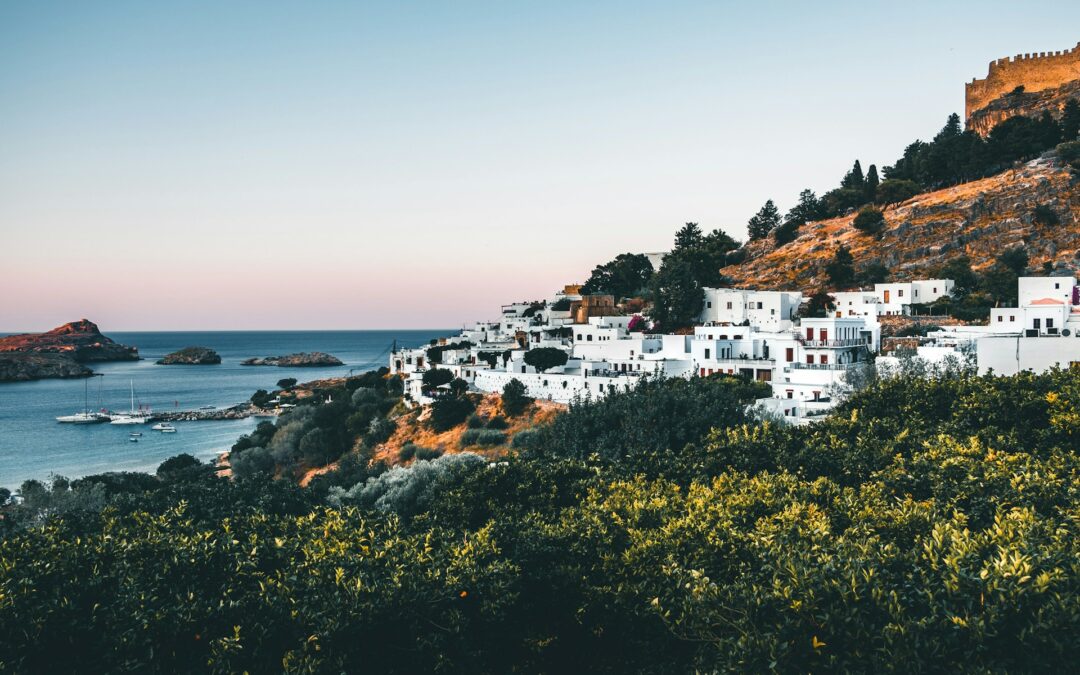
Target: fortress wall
x,y
1035,72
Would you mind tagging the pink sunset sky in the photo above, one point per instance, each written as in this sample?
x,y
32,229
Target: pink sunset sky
x,y
363,165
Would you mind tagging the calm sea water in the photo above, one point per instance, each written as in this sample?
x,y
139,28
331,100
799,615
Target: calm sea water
x,y
34,445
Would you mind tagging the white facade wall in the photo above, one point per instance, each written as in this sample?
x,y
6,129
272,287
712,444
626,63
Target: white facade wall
x,y
1010,355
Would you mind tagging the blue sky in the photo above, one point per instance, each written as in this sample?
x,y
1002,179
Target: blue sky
x,y
362,165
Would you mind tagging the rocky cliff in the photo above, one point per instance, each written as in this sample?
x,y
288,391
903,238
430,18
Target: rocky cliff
x,y
22,367
81,340
978,219
1027,103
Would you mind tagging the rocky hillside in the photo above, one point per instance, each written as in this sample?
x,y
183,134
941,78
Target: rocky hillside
x,y
979,219
1027,103
23,367
81,340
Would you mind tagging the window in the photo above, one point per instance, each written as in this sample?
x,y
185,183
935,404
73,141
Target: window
x,y
588,338
999,318
824,333
824,358
810,358
790,393
1012,317
1049,323
729,305
709,304
1038,323
809,333
759,305
935,290
790,354
772,312
707,352
1057,285
900,293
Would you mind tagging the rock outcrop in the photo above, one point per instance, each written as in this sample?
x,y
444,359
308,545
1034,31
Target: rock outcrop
x,y
1027,103
23,367
81,340
979,219
191,356
59,352
300,360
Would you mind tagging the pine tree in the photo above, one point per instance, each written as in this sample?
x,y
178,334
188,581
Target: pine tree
x,y
871,183
854,178
764,221
841,269
1070,121
688,237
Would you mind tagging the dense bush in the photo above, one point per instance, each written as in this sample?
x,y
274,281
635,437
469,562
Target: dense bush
x,y
482,437
928,525
869,220
515,398
450,411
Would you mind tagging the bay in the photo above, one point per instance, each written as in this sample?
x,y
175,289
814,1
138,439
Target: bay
x,y
34,445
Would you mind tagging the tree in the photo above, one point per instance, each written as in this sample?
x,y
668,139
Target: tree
x,y
808,208
869,220
1015,259
841,269
959,270
896,190
854,179
873,273
871,183
436,377
1070,121
449,411
764,221
515,397
678,295
1044,215
178,465
287,382
688,237
545,358
628,274
818,305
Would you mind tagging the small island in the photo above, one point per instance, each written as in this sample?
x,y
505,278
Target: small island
x,y
59,353
191,356
299,360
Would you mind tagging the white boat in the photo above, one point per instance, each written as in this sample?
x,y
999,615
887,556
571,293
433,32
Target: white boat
x,y
84,417
135,433
132,439
163,426
133,416
169,430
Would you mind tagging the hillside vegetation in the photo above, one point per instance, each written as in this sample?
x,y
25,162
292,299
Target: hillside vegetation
x,y
926,525
979,219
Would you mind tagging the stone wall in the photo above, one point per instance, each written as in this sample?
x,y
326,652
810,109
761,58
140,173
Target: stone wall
x,y
1033,72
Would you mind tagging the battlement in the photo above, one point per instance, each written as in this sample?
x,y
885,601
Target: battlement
x,y
1034,72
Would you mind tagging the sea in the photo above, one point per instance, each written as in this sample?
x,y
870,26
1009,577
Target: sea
x,y
34,445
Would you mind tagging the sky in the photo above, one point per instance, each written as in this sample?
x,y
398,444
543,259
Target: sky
x,y
354,165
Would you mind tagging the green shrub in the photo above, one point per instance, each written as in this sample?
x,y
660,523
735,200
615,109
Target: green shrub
x,y
497,422
448,412
515,398
869,220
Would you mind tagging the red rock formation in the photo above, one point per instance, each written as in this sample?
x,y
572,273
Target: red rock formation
x,y
81,340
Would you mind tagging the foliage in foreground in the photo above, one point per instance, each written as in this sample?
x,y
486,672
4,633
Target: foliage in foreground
x,y
928,525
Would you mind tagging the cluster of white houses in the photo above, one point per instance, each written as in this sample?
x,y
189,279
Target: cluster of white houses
x,y
756,334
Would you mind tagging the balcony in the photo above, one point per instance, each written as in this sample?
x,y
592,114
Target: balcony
x,y
823,366
853,342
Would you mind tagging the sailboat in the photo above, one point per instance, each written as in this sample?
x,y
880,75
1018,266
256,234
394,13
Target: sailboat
x,y
84,417
132,417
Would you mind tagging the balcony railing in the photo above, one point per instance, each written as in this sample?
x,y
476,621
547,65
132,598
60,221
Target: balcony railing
x,y
823,366
852,342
